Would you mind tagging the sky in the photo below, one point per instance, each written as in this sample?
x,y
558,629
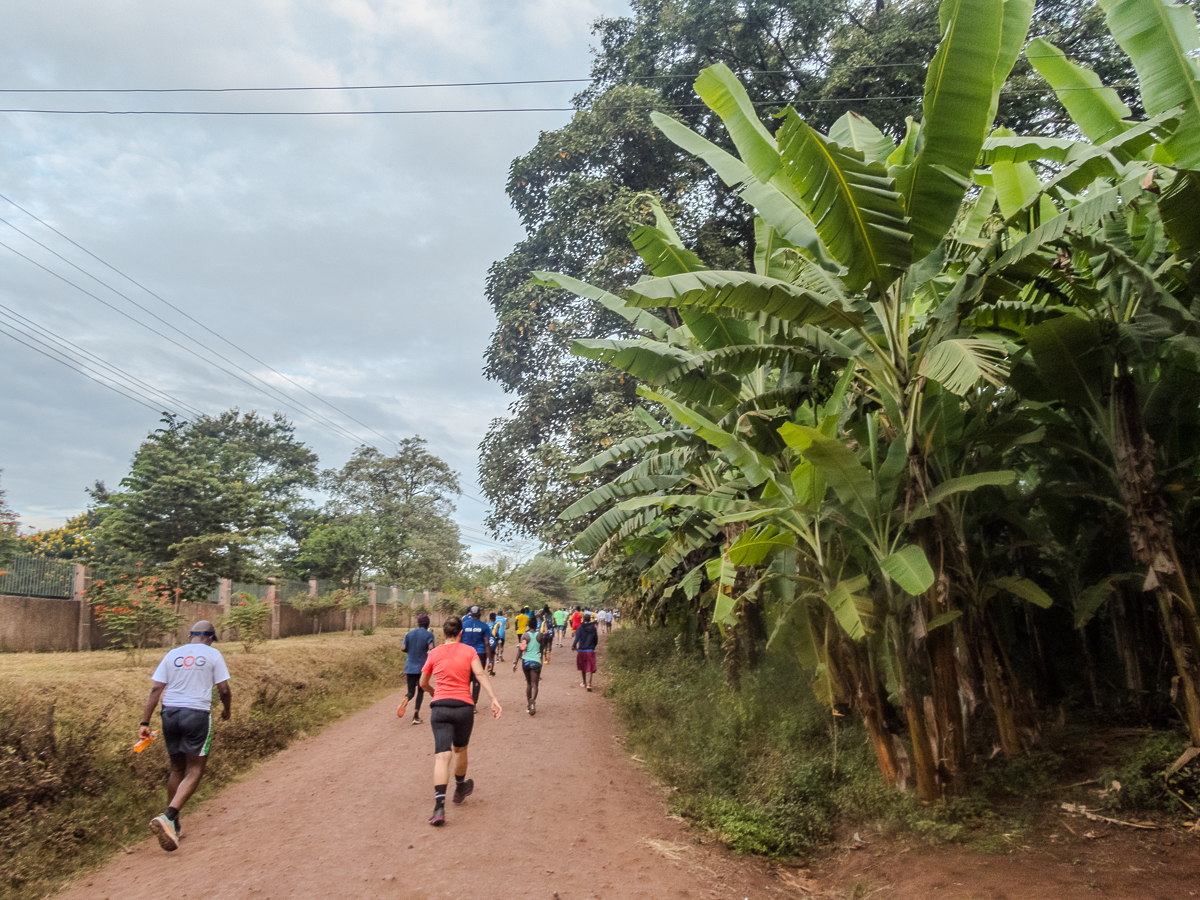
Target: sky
x,y
345,254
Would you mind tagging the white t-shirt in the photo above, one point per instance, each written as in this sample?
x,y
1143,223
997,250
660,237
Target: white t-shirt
x,y
189,672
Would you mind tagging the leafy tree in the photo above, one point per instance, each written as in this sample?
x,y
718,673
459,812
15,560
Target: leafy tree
x,y
395,510
584,187
846,511
9,543
204,497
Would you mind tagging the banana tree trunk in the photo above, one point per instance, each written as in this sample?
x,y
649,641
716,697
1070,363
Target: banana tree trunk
x,y
866,699
1152,541
937,539
923,761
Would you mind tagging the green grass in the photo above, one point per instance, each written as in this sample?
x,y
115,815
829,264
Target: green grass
x,y
772,772
71,790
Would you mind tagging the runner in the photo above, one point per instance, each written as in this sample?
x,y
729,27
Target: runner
x,y
545,632
608,619
453,666
560,624
576,619
529,656
498,631
184,681
522,621
585,642
491,654
417,644
475,634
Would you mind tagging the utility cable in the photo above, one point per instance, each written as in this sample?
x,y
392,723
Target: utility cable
x,y
287,401
137,384
430,84
112,388
498,109
181,312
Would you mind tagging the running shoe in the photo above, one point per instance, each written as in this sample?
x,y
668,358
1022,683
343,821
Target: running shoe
x,y
416,719
439,816
464,790
533,708
164,830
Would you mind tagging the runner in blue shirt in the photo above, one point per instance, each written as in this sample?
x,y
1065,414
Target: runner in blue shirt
x,y
476,634
417,644
498,630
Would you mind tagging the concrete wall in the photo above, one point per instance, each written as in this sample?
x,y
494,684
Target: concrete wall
x,y
32,624
37,624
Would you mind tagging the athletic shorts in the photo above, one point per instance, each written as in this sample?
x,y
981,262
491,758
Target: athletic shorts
x,y
560,628
414,683
187,730
452,721
528,666
585,660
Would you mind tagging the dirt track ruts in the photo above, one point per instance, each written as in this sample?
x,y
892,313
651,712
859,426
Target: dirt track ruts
x,y
559,811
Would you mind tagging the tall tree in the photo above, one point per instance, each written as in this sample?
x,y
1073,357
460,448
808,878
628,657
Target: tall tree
x,y
396,511
8,529
207,497
583,188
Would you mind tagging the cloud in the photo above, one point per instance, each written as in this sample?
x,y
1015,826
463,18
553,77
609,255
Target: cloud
x,y
349,253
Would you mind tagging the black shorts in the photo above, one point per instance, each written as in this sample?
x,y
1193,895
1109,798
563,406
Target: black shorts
x,y
187,730
414,683
452,722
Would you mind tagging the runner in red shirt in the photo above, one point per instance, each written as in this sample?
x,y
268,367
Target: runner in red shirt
x,y
452,712
576,618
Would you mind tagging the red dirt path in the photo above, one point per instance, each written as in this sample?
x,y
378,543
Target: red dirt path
x,y
559,811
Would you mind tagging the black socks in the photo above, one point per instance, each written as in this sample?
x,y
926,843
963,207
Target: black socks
x,y
459,779
439,795
172,814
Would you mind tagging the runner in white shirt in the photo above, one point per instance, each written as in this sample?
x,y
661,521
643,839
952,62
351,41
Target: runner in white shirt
x,y
184,681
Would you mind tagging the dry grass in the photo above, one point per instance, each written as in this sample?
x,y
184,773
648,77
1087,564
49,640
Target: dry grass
x,y
72,792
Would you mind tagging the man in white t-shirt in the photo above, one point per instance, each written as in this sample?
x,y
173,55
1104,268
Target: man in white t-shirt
x,y
184,681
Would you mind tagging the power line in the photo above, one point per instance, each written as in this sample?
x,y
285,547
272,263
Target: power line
x,y
513,109
186,315
137,385
430,84
293,404
112,388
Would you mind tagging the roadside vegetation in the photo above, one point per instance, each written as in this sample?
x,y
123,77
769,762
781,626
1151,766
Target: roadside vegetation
x,y
72,791
770,771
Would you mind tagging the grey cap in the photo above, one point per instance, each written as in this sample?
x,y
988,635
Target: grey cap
x,y
474,610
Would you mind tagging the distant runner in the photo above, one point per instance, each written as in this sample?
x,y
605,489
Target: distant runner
x,y
417,644
586,639
522,621
545,633
476,634
608,620
530,659
498,630
576,620
184,681
453,666
560,624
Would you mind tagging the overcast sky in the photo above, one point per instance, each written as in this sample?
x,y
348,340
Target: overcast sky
x,y
347,252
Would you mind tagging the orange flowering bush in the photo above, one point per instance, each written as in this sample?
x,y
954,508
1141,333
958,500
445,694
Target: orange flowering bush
x,y
135,610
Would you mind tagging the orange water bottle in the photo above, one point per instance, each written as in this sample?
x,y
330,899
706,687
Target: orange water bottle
x,y
144,742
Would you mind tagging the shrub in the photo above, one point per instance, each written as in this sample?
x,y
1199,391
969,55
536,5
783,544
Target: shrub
x,y
249,616
135,610
1143,779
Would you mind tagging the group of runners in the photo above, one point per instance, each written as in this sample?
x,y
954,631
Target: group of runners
x,y
453,672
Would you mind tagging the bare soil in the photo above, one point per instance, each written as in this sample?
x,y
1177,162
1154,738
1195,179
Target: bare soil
x,y
561,812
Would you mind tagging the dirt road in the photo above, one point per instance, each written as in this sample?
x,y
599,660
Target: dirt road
x,y
558,811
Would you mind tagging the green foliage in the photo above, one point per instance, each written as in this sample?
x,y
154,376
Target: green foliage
x,y
136,611
1142,773
9,543
390,515
204,497
768,769
249,616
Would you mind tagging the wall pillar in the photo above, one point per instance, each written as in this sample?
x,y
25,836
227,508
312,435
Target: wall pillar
x,y
274,601
312,587
225,594
374,606
81,580
426,600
